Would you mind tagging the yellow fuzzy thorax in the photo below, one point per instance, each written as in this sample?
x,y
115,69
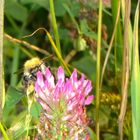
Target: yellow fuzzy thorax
x,y
32,63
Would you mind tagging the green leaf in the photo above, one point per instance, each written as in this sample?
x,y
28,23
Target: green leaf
x,y
35,110
66,7
13,96
59,10
84,26
87,31
63,33
108,136
92,134
75,8
16,10
41,3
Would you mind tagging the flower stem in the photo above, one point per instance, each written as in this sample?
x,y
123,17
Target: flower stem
x,y
98,70
54,24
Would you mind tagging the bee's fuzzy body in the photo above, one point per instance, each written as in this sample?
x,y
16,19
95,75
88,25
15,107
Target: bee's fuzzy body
x,y
31,67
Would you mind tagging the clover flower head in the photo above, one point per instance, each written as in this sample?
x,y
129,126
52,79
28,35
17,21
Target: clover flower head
x,y
63,101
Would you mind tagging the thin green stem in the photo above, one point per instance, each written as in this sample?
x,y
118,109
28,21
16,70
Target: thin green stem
x,y
2,88
3,132
54,24
15,63
118,43
98,71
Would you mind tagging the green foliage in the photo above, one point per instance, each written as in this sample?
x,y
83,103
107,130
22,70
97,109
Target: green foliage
x,y
39,3
35,110
12,9
13,96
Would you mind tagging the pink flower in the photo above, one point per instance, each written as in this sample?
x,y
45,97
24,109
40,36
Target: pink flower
x,y
64,102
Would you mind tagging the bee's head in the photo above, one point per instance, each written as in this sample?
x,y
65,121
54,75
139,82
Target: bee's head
x,y
32,63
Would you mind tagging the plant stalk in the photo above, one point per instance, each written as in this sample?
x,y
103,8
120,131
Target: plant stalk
x,y
98,70
125,69
54,24
2,87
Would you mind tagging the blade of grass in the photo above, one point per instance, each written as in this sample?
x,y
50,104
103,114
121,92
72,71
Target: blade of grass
x,y
54,24
2,86
98,70
15,64
123,4
135,82
125,70
118,34
3,132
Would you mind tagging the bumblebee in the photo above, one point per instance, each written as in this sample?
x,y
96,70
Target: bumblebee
x,y
31,67
29,71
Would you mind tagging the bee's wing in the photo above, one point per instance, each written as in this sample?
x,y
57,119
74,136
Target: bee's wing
x,y
19,71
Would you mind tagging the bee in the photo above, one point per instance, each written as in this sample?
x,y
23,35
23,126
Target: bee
x,y
29,72
30,69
